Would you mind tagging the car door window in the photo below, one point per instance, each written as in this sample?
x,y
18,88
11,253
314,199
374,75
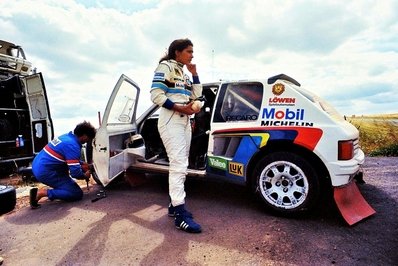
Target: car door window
x,y
239,102
123,106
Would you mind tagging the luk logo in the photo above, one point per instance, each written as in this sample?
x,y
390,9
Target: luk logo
x,y
287,114
218,163
235,168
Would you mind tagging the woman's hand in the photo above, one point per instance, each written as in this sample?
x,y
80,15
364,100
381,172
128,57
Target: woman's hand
x,y
192,68
185,109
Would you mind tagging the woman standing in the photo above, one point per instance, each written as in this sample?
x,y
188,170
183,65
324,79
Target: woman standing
x,y
173,91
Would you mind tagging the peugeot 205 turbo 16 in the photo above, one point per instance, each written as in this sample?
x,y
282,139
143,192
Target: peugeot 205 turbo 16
x,y
284,142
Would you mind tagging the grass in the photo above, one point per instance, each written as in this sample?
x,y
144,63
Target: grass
x,y
378,134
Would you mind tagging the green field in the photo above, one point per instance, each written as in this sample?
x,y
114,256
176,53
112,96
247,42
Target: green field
x,y
378,134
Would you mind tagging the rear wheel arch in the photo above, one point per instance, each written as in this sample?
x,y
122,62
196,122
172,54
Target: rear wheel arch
x,y
304,163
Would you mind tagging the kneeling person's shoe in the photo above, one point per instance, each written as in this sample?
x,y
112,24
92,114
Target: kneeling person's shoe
x,y
32,198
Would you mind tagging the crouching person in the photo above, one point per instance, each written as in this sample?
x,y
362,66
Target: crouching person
x,y
58,163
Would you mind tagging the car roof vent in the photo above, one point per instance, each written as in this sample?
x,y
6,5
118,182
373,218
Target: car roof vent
x,y
273,79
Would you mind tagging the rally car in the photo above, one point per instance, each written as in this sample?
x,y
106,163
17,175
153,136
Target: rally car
x,y
279,139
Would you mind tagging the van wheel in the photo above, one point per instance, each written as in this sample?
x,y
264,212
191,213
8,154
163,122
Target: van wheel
x,y
8,198
286,183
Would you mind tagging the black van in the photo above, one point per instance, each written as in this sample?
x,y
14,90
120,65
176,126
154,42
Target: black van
x,y
25,121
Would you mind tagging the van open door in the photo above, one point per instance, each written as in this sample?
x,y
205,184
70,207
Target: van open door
x,y
117,127
41,124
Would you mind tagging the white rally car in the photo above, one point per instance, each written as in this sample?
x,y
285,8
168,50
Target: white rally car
x,y
284,142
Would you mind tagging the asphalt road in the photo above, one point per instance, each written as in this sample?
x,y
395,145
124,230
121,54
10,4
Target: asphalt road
x,y
131,227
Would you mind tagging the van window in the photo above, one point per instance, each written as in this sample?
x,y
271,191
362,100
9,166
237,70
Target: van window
x,y
239,102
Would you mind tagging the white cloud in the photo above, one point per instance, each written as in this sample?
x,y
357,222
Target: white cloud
x,y
330,47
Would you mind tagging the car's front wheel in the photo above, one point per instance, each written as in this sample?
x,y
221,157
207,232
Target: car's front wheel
x,y
286,182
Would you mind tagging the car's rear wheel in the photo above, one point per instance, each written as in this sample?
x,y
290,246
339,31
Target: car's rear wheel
x,y
286,183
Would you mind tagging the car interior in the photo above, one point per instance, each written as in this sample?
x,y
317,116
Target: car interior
x,y
154,148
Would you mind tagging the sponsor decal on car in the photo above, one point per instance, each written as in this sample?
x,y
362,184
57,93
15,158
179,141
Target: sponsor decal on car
x,y
286,124
278,101
235,168
241,118
278,89
284,117
218,163
273,113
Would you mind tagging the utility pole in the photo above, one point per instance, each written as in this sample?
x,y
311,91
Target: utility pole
x,y
212,64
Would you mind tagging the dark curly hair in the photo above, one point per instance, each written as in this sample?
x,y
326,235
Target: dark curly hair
x,y
85,128
176,45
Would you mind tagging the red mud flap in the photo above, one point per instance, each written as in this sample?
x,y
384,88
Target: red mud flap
x,y
352,205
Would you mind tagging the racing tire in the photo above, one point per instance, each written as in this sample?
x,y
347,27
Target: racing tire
x,y
96,178
8,198
286,183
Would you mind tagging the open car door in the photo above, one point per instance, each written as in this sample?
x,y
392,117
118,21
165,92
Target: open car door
x,y
118,125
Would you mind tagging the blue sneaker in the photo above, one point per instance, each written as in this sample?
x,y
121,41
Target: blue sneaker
x,y
172,212
185,222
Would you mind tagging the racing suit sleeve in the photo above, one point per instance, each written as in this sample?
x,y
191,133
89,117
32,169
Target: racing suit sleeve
x,y
72,158
196,87
160,84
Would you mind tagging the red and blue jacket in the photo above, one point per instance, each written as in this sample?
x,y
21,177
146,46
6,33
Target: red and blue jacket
x,y
62,154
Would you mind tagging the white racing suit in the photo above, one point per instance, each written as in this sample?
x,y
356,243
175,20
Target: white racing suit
x,y
171,86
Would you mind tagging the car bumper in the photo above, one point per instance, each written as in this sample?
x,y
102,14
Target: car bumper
x,y
342,172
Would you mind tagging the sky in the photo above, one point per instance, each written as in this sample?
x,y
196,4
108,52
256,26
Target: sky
x,y
344,51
